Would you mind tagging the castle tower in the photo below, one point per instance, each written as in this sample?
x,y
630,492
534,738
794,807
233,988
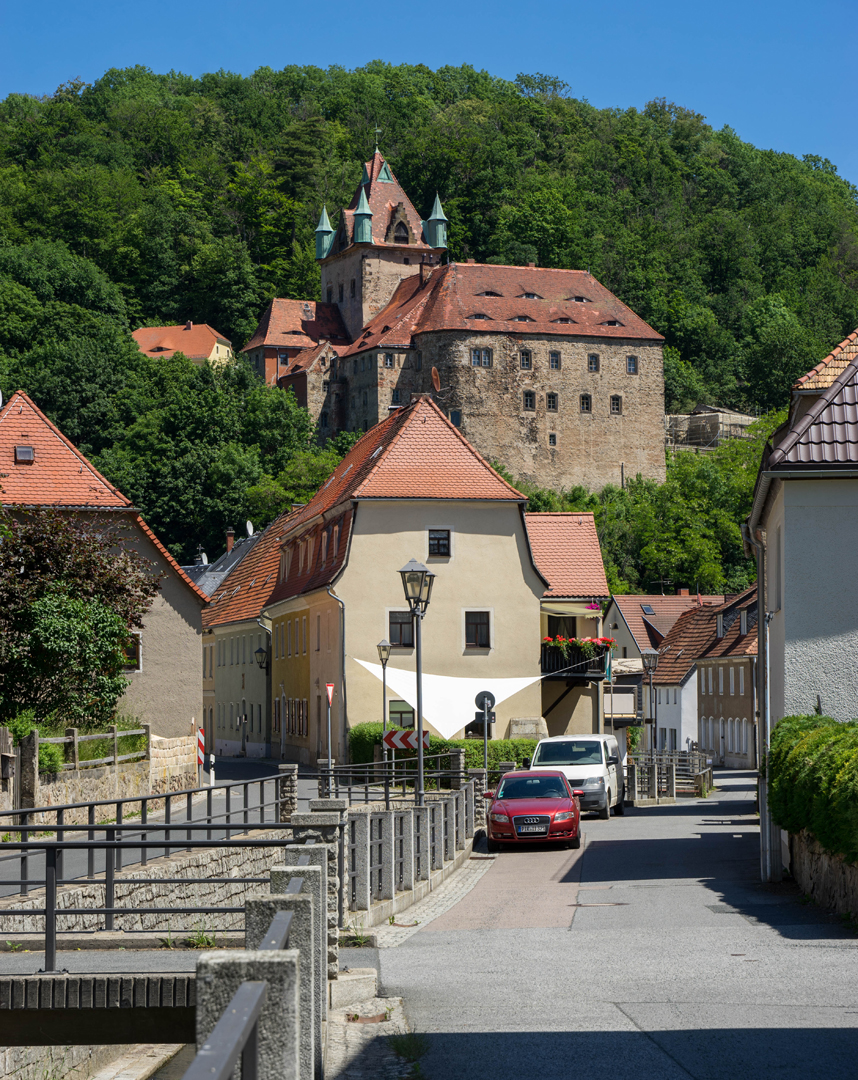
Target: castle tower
x,y
379,241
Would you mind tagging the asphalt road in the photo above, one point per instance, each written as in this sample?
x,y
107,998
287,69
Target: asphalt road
x,y
227,770
652,952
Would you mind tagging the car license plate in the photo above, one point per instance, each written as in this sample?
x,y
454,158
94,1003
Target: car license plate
x,y
532,829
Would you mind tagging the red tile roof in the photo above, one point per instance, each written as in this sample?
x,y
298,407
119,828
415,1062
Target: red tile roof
x,y
826,435
827,370
415,453
294,324
649,630
451,296
243,594
195,340
567,554
694,637
306,358
59,475
384,197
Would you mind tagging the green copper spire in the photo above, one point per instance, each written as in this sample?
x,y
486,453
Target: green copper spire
x,y
435,227
363,220
324,235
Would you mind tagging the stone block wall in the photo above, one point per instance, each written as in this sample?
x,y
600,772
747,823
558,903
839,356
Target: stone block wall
x,y
173,763
57,1062
829,879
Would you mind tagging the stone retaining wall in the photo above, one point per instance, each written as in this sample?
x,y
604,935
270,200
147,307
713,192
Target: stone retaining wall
x,y
203,863
832,882
57,1062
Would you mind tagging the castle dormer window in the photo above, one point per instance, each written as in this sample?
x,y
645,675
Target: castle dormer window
x,y
612,322
563,320
579,299
479,315
489,292
521,318
400,233
530,296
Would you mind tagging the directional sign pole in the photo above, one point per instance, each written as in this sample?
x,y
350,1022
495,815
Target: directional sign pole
x,y
486,735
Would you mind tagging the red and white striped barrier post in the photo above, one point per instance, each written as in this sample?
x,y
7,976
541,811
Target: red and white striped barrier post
x,y
201,755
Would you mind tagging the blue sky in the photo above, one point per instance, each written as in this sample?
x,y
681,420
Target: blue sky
x,y
778,73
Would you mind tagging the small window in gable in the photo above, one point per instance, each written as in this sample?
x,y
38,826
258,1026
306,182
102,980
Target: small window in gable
x,y
400,233
324,548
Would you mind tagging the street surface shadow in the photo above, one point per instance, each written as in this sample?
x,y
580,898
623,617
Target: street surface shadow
x,y
703,1054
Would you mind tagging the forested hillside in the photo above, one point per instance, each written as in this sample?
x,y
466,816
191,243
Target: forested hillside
x,y
151,198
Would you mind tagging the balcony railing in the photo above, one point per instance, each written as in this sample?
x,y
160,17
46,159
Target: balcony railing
x,y
575,665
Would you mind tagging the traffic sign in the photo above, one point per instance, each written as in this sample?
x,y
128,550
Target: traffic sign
x,y
480,716
404,740
201,746
330,688
485,700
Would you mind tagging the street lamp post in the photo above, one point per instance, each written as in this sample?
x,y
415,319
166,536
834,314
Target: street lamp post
x,y
384,655
417,581
650,663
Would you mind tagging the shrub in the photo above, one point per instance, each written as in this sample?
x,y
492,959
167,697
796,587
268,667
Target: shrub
x,y
363,737
812,769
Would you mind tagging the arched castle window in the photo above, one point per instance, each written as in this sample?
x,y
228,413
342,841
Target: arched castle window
x,y
400,233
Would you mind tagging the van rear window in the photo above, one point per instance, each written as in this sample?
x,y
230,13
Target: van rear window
x,y
568,753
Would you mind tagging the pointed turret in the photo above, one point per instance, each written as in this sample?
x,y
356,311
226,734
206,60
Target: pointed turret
x,y
435,226
362,220
324,235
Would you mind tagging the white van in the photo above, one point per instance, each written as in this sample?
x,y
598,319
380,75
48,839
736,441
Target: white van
x,y
591,764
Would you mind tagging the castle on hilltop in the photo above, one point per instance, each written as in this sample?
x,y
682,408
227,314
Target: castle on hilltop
x,y
543,370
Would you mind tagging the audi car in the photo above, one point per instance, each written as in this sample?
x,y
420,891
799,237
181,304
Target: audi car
x,y
532,807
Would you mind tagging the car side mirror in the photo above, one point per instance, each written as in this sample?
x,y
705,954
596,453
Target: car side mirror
x,y
488,794
613,760
526,763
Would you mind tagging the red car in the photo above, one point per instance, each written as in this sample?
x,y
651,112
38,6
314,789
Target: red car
x,y
533,806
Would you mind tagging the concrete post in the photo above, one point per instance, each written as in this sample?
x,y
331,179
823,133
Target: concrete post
x,y
653,779
480,781
219,975
633,780
449,813
469,809
314,884
325,767
318,855
388,855
461,816
436,834
457,768
406,839
358,826
287,791
113,733
671,780
422,853
258,913
506,766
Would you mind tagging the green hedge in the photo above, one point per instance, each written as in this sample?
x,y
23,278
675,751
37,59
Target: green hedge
x,y
363,737
812,770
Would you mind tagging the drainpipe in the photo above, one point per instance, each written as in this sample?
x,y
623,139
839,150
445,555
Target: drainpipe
x,y
769,832
345,723
268,696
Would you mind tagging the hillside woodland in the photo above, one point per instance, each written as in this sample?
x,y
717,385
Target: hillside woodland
x,y
152,199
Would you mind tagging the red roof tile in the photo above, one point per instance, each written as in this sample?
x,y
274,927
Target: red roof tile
x,y
827,370
246,589
195,340
168,558
451,296
384,197
59,475
694,637
567,554
293,324
648,630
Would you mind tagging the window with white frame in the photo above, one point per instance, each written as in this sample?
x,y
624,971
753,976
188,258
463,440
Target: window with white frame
x,y
710,680
732,680
720,680
742,679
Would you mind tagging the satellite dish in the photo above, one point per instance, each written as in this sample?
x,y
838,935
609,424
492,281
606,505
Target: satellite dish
x,y
249,527
1,399
436,380
204,559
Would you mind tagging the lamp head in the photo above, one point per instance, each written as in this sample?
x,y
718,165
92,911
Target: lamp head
x,y
261,655
383,650
417,581
650,660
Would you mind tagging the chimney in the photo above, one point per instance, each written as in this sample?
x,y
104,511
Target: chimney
x,y
189,325
472,262
684,592
532,266
230,539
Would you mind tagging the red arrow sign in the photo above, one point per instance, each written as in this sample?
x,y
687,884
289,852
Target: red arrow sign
x,y
404,740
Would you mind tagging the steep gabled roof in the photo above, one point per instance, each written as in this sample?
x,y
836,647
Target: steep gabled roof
x,y
827,370
567,554
243,593
453,297
307,358
827,434
195,340
694,637
650,628
385,195
298,324
59,474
